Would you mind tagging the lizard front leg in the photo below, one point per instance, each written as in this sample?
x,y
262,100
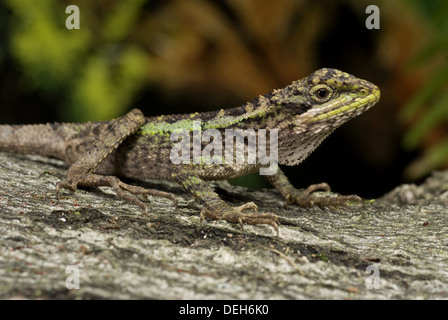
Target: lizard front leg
x,y
305,198
81,172
215,208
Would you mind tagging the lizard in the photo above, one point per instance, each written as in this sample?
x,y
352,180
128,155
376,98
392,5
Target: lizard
x,y
303,114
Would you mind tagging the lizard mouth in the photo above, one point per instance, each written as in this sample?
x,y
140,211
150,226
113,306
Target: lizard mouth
x,y
344,107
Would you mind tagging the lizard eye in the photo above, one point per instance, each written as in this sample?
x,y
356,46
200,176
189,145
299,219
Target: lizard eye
x,y
321,93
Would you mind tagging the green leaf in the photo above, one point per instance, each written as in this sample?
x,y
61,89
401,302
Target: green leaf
x,y
439,79
433,158
435,115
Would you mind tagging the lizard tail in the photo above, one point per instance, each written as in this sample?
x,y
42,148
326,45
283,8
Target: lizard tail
x,y
41,139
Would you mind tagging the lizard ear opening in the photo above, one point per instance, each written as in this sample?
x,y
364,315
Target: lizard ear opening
x,y
295,108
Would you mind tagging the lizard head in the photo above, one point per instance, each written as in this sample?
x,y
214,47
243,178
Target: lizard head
x,y
328,98
316,105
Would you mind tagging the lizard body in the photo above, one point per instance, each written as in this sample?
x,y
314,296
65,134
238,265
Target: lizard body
x,y
304,113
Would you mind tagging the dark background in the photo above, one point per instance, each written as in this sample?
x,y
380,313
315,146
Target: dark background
x,y
186,56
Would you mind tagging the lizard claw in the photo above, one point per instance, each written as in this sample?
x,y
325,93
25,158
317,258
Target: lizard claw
x,y
307,200
236,215
58,191
64,184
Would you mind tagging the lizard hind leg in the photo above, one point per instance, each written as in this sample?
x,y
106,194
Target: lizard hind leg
x,y
82,171
96,180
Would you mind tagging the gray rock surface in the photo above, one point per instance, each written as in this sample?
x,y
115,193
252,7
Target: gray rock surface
x,y
120,253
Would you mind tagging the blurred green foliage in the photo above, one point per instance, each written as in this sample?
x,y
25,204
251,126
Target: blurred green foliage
x,y
429,106
97,71
46,51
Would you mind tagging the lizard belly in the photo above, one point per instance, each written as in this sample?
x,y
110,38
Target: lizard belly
x,y
136,165
223,172
137,161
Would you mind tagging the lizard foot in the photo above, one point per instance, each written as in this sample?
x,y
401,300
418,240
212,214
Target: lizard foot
x,y
95,180
306,199
236,215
